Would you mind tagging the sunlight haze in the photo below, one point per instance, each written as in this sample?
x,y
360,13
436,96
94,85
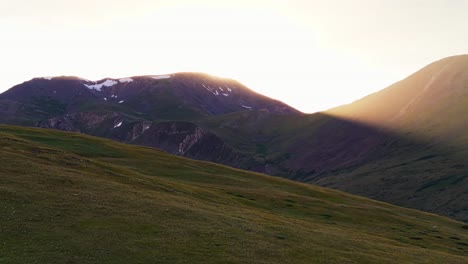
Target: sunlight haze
x,y
313,55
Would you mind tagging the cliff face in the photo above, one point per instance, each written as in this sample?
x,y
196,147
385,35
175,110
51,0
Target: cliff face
x,y
179,138
185,139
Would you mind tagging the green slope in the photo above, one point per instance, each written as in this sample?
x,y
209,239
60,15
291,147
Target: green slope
x,y
70,198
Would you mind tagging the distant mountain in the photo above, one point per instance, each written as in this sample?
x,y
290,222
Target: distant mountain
x,y
404,145
180,96
432,99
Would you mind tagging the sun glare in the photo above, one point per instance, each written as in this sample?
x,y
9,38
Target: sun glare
x,y
260,47
311,54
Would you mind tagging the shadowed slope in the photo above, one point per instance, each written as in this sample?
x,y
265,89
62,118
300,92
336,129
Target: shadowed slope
x,y
354,157
387,166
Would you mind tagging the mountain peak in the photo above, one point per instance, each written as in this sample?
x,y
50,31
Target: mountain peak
x,y
437,86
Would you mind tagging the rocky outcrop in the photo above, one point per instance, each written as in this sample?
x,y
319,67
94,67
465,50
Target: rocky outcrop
x,y
84,122
191,140
188,140
179,138
60,123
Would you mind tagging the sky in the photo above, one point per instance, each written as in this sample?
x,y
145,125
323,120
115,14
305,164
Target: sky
x,y
311,54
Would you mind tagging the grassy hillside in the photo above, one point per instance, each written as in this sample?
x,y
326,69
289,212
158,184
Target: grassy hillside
x,y
70,198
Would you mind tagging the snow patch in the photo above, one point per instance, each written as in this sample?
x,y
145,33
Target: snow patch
x,y
113,96
121,101
125,80
105,99
47,78
225,94
118,124
159,77
247,107
98,87
221,89
229,89
145,127
208,88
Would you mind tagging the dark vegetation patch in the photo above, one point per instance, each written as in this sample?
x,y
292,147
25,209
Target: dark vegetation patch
x,y
426,157
443,182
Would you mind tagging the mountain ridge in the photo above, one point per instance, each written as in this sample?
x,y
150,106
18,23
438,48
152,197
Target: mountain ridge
x,y
193,94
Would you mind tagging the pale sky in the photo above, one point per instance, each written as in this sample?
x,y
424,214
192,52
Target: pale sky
x,y
311,54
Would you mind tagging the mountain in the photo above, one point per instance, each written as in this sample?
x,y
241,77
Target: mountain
x,y
431,104
71,198
181,96
405,145
427,166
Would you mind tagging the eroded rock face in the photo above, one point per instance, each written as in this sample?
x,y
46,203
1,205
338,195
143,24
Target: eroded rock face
x,y
139,128
202,144
189,140
60,123
179,138
79,122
